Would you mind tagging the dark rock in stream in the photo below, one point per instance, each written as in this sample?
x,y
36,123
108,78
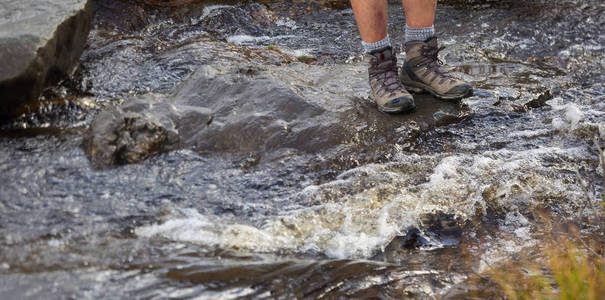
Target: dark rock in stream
x,y
122,138
231,110
253,19
39,42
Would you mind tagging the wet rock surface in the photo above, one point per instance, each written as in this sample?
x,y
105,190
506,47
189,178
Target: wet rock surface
x,y
40,42
283,180
262,109
123,138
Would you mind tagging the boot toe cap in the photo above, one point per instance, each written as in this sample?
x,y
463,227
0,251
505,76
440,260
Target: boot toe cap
x,y
400,104
461,90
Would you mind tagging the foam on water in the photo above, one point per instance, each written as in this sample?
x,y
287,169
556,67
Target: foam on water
x,y
359,213
577,117
298,52
209,9
573,114
287,22
243,39
246,39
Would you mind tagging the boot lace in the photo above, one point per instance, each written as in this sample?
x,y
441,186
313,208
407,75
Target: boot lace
x,y
386,73
430,58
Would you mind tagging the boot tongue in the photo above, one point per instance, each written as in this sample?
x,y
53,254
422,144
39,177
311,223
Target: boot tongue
x,y
383,54
432,41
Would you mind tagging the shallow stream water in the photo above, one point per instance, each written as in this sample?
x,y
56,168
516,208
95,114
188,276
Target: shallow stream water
x,y
313,194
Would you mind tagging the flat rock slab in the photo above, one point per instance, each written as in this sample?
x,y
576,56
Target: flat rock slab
x,y
39,41
253,109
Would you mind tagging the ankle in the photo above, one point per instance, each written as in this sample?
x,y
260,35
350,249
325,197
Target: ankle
x,y
418,33
379,46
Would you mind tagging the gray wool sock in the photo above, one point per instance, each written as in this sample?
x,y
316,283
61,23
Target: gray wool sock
x,y
418,34
372,47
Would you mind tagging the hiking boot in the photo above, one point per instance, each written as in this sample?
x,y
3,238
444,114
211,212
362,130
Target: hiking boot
x,y
387,91
423,71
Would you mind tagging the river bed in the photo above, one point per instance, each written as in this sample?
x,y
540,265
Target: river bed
x,y
313,194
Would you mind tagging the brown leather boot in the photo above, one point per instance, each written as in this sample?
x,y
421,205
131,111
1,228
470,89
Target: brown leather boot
x,y
387,91
422,71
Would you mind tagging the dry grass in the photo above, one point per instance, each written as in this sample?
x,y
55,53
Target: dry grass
x,y
569,273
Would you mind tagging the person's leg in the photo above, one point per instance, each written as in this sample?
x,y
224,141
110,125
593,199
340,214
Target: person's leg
x,y
422,70
371,17
419,13
386,89
419,18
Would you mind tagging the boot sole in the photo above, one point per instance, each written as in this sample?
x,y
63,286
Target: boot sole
x,y
396,110
407,108
419,88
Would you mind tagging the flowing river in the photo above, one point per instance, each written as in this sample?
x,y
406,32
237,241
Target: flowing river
x,y
277,177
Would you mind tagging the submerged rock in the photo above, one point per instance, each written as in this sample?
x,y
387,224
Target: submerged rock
x,y
126,137
39,41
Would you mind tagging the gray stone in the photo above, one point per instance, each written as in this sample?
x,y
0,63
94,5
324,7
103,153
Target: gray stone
x,y
39,41
221,110
118,137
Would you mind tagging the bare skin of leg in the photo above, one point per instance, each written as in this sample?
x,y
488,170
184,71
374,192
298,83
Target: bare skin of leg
x,y
419,13
372,18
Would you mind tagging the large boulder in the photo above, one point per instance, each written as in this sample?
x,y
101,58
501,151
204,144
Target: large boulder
x,y
213,114
39,42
